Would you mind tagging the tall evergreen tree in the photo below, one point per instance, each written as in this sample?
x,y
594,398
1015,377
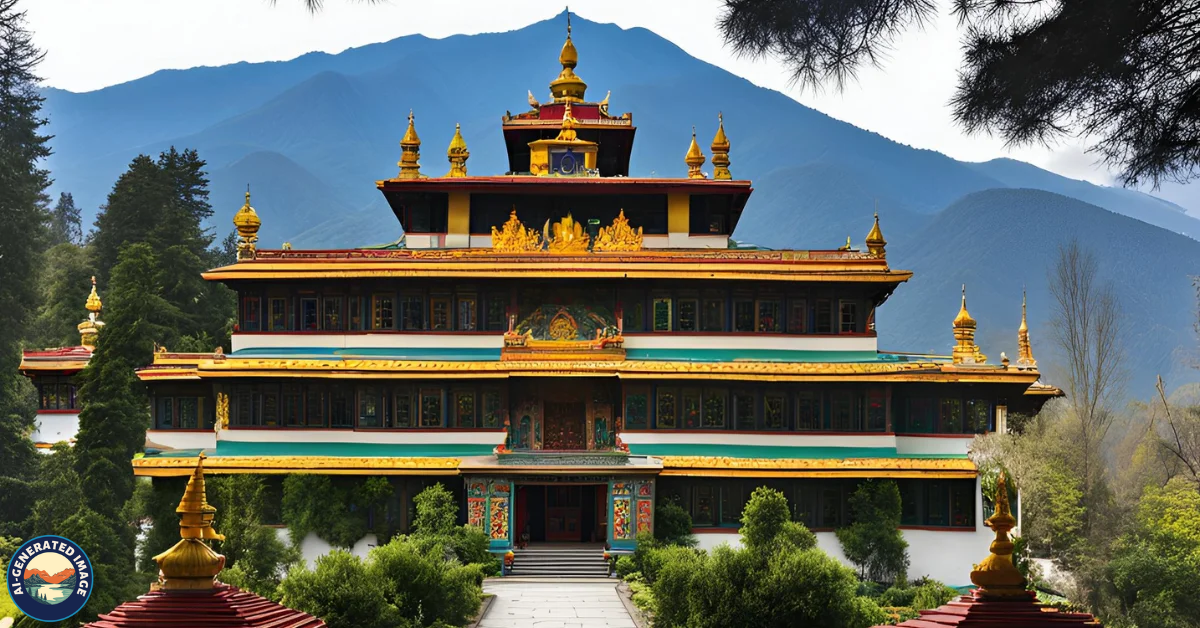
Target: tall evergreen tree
x,y
23,219
65,222
65,280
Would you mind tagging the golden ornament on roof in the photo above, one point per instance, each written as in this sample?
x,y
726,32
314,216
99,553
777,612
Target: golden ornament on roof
x,y
965,349
568,87
1024,349
694,158
247,223
89,330
457,154
567,236
191,564
567,133
876,245
720,149
619,236
514,237
410,152
996,575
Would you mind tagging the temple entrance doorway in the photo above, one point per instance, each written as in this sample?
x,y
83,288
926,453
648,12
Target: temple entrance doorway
x,y
563,414
561,513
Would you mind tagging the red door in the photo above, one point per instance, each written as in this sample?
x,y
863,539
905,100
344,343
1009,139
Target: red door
x,y
522,516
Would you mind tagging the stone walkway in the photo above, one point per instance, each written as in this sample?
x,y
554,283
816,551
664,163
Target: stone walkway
x,y
555,604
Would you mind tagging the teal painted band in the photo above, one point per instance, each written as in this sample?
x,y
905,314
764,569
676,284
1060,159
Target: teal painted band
x,y
234,448
756,451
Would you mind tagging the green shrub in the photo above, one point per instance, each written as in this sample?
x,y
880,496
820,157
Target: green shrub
x,y
625,566
255,549
899,594
929,593
719,591
673,581
333,508
673,525
645,544
810,588
873,543
658,558
763,518
423,585
437,511
342,591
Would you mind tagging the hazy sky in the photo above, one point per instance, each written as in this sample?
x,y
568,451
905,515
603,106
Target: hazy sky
x,y
90,44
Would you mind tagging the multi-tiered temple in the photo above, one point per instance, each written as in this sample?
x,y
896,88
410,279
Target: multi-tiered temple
x,y
564,345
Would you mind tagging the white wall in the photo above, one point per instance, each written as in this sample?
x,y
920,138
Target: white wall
x,y
182,440
386,437
313,547
342,340
51,428
725,437
942,445
749,341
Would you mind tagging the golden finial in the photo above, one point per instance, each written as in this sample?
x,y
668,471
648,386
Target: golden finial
x,y
1024,349
694,158
996,575
457,154
965,349
619,237
568,87
191,564
410,152
247,222
720,150
514,237
847,246
875,242
567,236
567,133
89,330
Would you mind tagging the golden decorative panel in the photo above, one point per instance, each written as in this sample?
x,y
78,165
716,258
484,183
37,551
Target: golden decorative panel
x,y
619,236
567,236
515,237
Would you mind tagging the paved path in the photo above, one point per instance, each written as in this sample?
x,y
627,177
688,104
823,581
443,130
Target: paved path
x,y
555,604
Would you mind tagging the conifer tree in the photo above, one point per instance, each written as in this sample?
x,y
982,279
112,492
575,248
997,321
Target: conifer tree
x,y
65,223
64,280
23,216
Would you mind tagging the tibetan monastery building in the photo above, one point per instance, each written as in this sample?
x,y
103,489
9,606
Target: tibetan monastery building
x,y
564,345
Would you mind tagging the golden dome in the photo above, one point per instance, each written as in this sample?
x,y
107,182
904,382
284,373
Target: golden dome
x,y
457,154
93,301
410,134
720,149
246,219
191,563
875,242
694,158
568,87
964,320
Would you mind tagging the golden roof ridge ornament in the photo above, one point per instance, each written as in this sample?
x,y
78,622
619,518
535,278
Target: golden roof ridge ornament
x,y
566,236
720,151
410,152
965,349
515,237
997,576
191,564
620,236
567,133
457,154
694,158
89,330
247,222
568,86
1025,358
876,245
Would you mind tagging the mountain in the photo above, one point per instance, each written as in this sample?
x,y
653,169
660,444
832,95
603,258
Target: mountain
x,y
37,576
312,134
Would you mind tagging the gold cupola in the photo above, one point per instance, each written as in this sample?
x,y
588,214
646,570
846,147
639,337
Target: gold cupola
x,y
694,159
247,223
410,152
457,154
568,87
1024,349
875,242
965,349
996,575
89,329
720,150
191,564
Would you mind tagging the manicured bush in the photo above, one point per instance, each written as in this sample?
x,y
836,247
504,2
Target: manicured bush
x,y
334,508
342,591
673,525
437,511
625,566
873,543
673,582
418,580
929,593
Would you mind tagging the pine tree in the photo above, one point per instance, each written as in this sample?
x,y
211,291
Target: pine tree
x,y
65,281
23,218
65,222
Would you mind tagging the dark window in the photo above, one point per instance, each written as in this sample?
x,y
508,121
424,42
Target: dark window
x,y
339,408
714,408
247,402
733,500
636,409
467,314
773,411
951,416
370,411
691,407
876,410
843,412
633,311
797,317
331,314
58,396
849,317
279,320
687,314
666,410
315,408
662,314
743,410
831,506
270,405
714,315
354,315
495,318
492,408
920,415
743,315
382,312
431,408
806,504
704,505
412,312
767,317
937,505
439,314
251,316
291,405
824,316
403,408
979,413
309,321
464,408
808,410
164,413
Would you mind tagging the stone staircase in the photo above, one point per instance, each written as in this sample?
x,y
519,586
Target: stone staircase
x,y
553,562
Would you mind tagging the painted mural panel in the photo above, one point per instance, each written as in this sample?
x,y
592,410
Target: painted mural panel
x,y
499,519
645,516
621,524
476,511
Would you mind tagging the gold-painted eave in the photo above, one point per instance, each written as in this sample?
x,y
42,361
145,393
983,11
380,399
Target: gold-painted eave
x,y
712,466
580,267
325,465
38,366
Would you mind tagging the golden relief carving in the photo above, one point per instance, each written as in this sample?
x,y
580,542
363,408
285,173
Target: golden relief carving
x,y
911,464
222,411
619,236
514,237
566,236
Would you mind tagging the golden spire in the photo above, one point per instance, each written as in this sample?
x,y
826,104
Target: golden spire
x,y
875,242
694,158
410,152
247,222
720,150
89,329
965,350
457,154
568,87
1024,349
191,563
996,575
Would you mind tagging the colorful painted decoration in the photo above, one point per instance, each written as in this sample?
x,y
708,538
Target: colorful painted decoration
x,y
621,488
476,511
621,519
645,489
645,515
477,489
499,519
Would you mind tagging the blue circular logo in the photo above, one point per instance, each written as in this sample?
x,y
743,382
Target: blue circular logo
x,y
50,578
